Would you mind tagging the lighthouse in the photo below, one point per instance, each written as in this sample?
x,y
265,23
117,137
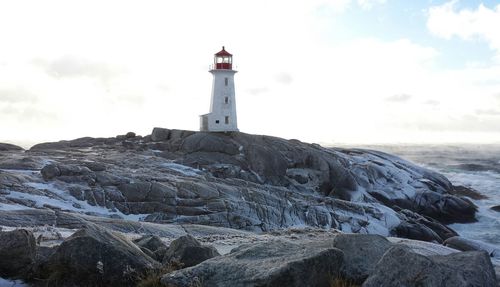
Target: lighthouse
x,y
222,115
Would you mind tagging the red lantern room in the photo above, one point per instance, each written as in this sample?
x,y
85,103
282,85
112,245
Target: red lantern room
x,y
223,60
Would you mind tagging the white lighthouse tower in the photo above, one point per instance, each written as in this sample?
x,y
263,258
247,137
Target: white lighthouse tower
x,y
222,116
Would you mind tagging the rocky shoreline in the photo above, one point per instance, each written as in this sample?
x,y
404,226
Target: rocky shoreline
x,y
205,256
255,189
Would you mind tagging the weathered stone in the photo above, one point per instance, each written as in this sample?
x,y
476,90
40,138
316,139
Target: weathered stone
x,y
361,254
151,242
160,192
27,217
401,267
94,166
188,251
130,135
160,134
251,182
209,142
17,252
274,263
41,261
96,256
464,244
460,190
9,147
135,192
415,226
50,171
50,146
153,246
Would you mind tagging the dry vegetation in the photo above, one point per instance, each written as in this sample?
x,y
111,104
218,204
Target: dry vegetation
x,y
341,282
152,278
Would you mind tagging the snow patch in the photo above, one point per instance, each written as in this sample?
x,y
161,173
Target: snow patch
x,y
58,198
183,169
12,283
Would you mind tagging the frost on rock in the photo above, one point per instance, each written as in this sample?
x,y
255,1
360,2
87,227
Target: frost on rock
x,y
235,180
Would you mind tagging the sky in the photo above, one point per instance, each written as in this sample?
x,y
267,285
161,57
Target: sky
x,y
326,71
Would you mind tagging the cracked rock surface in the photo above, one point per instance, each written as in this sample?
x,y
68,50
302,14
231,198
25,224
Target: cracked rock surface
x,y
235,180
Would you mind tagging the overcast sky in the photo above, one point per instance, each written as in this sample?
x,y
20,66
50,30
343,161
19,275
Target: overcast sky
x,y
332,71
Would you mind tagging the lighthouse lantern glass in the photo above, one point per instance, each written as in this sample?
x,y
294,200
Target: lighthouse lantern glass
x,y
223,62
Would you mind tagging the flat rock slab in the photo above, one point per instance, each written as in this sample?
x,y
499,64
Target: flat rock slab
x,y
274,263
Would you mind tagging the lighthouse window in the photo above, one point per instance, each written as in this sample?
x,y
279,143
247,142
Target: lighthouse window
x,y
226,100
216,121
226,120
225,81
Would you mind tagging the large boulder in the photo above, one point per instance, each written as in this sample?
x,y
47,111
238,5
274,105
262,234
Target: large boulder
x,y
153,245
188,251
17,252
67,172
401,267
151,242
96,256
160,134
361,254
274,263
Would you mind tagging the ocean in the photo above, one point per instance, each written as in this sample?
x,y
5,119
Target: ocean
x,y
476,166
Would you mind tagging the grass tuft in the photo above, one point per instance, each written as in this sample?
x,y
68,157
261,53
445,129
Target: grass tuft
x,y
153,277
341,282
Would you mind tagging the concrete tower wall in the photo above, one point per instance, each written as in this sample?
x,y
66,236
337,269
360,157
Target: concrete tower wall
x,y
222,116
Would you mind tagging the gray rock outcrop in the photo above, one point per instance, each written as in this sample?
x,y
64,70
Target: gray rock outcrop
x,y
275,263
187,251
234,180
401,267
9,147
464,244
17,252
361,254
96,256
153,246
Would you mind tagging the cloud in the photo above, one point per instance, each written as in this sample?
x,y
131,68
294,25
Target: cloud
x,y
447,21
73,66
488,112
26,114
16,95
258,91
432,103
332,7
399,98
368,4
465,123
284,78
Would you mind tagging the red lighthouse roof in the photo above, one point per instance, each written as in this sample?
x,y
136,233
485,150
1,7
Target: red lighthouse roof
x,y
223,52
